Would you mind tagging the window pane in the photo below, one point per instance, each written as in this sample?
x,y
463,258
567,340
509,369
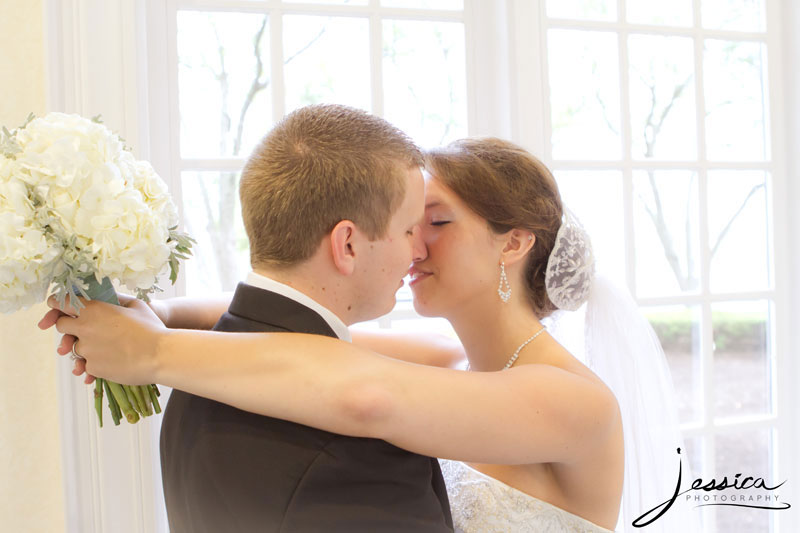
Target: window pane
x,y
748,453
326,61
582,9
745,15
692,457
671,13
738,221
667,238
223,78
424,4
678,328
735,85
424,80
584,97
596,199
663,117
742,358
213,216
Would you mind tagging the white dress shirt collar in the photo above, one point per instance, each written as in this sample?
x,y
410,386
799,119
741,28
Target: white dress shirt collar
x,y
336,324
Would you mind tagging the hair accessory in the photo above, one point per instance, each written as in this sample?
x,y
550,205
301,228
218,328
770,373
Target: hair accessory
x,y
570,267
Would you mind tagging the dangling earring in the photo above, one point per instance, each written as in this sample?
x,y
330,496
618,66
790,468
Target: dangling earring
x,y
504,294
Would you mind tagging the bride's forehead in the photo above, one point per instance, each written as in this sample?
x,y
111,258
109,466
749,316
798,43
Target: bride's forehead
x,y
435,191
440,196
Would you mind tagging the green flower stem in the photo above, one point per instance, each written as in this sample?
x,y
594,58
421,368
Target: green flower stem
x,y
142,401
152,390
130,401
113,406
141,392
98,400
122,400
147,400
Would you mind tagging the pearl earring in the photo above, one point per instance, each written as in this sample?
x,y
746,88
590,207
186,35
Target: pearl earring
x,y
504,294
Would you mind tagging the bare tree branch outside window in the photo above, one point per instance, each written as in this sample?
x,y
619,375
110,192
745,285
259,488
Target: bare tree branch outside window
x,y
221,216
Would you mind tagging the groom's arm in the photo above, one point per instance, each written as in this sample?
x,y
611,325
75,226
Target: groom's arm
x,y
189,312
422,348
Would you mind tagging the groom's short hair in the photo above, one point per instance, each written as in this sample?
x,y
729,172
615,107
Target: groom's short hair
x,y
319,165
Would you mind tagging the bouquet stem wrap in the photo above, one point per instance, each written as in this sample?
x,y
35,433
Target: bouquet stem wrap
x,y
130,401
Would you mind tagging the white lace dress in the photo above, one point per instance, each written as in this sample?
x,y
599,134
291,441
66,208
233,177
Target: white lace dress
x,y
482,504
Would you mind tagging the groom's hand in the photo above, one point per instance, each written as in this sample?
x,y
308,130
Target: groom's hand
x,y
117,342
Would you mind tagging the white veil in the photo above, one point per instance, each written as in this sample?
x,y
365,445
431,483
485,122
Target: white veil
x,y
621,347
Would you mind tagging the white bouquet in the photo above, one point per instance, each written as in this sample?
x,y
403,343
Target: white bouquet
x,y
77,211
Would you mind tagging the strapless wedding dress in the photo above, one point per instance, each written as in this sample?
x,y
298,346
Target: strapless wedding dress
x,y
482,504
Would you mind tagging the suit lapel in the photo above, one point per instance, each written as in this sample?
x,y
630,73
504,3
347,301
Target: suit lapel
x,y
267,307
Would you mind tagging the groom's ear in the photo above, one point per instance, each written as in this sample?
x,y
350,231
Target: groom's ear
x,y
342,240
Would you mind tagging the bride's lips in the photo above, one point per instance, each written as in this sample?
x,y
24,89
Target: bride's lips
x,y
416,276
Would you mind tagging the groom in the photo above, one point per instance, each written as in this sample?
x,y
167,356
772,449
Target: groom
x,y
331,199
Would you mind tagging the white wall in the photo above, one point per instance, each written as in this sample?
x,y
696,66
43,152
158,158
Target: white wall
x,y
31,493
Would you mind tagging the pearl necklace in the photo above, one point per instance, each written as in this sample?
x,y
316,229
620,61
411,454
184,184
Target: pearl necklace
x,y
515,355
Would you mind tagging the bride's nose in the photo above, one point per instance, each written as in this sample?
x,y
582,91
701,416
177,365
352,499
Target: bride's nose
x,y
419,249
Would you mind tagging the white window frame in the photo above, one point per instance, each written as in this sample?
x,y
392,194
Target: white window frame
x,y
784,16
109,57
781,22
94,66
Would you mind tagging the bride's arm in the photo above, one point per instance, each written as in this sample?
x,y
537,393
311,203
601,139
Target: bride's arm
x,y
529,414
186,312
534,413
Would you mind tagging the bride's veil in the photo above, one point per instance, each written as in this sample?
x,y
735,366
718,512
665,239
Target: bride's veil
x,y
614,339
622,348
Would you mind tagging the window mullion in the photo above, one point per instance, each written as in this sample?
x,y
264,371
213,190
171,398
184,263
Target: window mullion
x,y
707,332
376,59
276,63
175,123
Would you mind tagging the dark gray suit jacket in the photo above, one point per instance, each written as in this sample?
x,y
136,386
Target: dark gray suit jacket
x,y
226,470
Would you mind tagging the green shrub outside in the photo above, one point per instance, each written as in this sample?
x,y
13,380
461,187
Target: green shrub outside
x,y
733,332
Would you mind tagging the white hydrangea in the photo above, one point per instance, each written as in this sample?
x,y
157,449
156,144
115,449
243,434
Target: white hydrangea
x,y
110,213
27,258
155,192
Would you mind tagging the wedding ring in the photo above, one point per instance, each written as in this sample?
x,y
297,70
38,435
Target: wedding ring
x,y
75,356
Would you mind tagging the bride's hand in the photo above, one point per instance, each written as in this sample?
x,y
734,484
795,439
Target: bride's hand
x,y
117,342
159,308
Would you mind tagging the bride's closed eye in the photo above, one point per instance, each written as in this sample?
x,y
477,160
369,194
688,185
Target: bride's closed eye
x,y
440,223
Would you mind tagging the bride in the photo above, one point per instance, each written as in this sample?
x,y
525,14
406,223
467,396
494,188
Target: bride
x,y
531,438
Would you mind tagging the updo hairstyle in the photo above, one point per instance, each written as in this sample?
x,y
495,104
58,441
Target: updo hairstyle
x,y
506,185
